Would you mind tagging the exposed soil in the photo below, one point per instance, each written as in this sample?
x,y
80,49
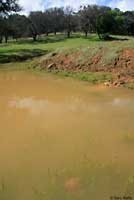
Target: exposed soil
x,y
124,64
122,67
72,184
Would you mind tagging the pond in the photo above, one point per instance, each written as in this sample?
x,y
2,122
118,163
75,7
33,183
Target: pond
x,y
64,139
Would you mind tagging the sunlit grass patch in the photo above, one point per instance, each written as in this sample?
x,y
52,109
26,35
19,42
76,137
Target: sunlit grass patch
x,y
130,86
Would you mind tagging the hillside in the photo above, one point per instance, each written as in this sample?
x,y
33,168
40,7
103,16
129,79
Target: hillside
x,y
114,57
108,62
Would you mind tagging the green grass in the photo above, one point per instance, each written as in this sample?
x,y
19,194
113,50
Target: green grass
x,y
130,86
92,77
24,49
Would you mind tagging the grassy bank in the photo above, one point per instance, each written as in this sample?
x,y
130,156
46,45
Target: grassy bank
x,y
88,59
91,77
28,49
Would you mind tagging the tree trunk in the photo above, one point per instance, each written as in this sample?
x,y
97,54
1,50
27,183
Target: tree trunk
x,y
34,38
0,38
6,38
99,35
86,33
68,34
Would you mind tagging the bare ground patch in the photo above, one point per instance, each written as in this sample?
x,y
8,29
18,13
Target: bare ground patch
x,y
122,67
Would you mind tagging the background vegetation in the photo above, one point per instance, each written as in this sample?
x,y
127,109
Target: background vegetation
x,y
88,19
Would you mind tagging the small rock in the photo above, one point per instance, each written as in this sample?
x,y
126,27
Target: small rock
x,y
61,62
50,66
107,84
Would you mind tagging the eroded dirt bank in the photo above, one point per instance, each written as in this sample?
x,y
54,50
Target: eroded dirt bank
x,y
121,66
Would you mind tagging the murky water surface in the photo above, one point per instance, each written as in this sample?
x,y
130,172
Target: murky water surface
x,y
63,139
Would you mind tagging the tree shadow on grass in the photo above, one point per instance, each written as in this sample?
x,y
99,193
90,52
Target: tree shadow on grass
x,y
95,38
43,40
55,39
21,55
116,38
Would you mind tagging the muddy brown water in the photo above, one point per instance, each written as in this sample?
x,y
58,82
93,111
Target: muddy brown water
x,y
64,139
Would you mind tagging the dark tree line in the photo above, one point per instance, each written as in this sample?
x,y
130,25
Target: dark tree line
x,y
7,6
89,19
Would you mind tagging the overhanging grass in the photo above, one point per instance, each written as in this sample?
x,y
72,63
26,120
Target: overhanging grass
x,y
92,77
130,86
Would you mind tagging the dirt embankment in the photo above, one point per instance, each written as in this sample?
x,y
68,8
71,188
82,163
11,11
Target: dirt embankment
x,y
122,67
124,64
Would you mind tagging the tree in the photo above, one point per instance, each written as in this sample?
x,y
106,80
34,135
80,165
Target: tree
x,y
47,24
105,25
129,22
88,17
36,22
1,28
19,24
69,20
120,27
84,20
7,6
56,19
7,29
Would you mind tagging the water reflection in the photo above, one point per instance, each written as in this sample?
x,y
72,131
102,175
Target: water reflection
x,y
39,106
70,104
122,102
32,105
64,138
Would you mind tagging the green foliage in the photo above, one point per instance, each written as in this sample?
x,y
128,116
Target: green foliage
x,y
7,6
130,86
129,22
91,77
88,19
105,25
120,25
